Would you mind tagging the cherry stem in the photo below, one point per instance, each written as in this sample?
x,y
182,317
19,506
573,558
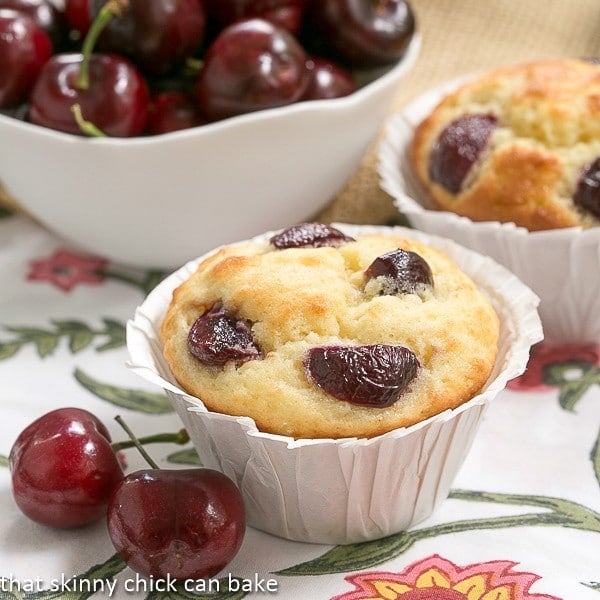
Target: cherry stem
x,y
110,10
136,442
180,437
86,126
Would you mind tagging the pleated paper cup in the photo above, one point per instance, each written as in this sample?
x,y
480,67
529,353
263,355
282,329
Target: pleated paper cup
x,y
561,266
344,490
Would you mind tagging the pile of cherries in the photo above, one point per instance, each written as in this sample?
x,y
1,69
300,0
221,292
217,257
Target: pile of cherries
x,y
182,523
133,67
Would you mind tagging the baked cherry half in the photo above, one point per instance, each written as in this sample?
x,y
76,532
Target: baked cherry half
x,y
400,272
63,468
312,235
458,147
587,194
375,375
217,337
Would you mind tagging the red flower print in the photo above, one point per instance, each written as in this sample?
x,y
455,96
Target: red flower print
x,y
543,356
66,269
435,578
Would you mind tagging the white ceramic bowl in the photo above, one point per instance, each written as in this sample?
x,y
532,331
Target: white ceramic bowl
x,y
560,266
160,201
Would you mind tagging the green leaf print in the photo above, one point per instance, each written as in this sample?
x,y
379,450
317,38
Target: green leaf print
x,y
354,557
77,334
203,589
132,399
595,457
98,579
185,457
574,378
3,460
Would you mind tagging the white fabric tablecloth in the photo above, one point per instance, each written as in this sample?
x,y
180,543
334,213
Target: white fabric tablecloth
x,y
522,521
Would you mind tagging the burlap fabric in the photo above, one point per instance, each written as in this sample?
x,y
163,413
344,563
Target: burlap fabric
x,y
460,37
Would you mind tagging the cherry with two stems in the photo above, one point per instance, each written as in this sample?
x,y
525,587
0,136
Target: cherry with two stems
x,y
108,89
179,523
64,467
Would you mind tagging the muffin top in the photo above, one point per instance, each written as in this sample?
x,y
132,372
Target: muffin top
x,y
314,334
520,143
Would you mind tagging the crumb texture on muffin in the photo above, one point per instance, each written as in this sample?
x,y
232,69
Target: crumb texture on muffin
x,y
299,298
518,144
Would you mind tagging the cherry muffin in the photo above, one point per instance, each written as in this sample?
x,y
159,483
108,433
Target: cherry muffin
x,y
316,334
519,144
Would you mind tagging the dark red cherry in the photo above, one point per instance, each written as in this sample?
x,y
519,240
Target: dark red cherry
x,y
458,147
251,65
173,110
64,469
288,14
373,375
315,235
216,337
116,100
24,49
158,35
587,194
364,33
328,80
78,16
44,13
402,272
183,524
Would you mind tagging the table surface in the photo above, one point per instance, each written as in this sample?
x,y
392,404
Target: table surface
x,y
523,518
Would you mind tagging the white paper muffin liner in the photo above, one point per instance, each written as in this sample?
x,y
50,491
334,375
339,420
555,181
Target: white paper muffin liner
x,y
561,266
346,490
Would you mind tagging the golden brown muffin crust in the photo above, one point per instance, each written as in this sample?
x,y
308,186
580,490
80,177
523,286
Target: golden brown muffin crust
x,y
298,298
548,132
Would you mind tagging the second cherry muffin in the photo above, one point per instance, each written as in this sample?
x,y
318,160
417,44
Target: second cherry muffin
x,y
517,144
314,334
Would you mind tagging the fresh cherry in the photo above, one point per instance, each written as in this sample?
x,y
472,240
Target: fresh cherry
x,y
44,13
24,49
288,14
185,523
458,147
173,110
115,100
400,272
77,15
91,93
587,194
374,375
328,80
251,65
364,33
315,235
64,469
217,337
156,34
